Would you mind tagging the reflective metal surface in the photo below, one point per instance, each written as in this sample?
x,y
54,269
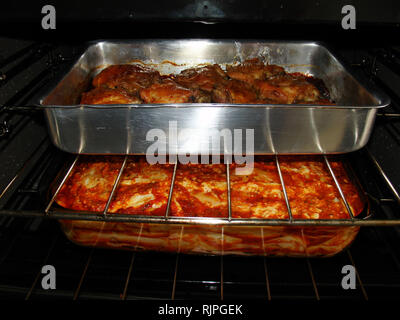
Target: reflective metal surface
x,y
283,129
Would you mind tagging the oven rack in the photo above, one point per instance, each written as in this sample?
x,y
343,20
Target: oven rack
x,y
167,218
94,273
51,210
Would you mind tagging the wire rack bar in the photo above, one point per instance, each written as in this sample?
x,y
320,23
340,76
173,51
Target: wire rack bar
x,y
384,176
90,216
389,115
284,189
228,185
128,278
116,183
89,260
171,189
386,200
364,292
339,188
267,279
176,265
222,278
28,295
61,184
175,274
222,266
314,283
82,278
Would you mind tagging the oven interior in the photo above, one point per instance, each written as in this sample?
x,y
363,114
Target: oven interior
x,y
29,162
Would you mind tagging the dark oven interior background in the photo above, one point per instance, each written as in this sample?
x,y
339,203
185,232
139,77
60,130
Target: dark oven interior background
x,y
30,60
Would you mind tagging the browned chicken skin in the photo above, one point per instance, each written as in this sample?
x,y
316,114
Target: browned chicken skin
x,y
204,78
131,78
251,82
104,95
234,91
287,89
166,92
253,69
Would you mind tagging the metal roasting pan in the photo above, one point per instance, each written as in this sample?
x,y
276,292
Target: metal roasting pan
x,y
278,129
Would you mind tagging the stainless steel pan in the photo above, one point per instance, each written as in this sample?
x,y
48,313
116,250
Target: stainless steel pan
x,y
278,129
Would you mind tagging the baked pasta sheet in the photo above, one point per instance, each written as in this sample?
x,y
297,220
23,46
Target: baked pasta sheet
x,y
200,190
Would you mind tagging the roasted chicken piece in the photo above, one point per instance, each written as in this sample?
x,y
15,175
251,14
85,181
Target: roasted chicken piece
x,y
167,91
200,96
287,89
204,78
251,82
104,95
234,91
253,69
130,77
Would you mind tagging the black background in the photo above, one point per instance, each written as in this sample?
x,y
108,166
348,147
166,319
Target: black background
x,y
79,21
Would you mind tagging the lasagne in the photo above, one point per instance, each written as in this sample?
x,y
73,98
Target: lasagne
x,y
201,191
251,82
